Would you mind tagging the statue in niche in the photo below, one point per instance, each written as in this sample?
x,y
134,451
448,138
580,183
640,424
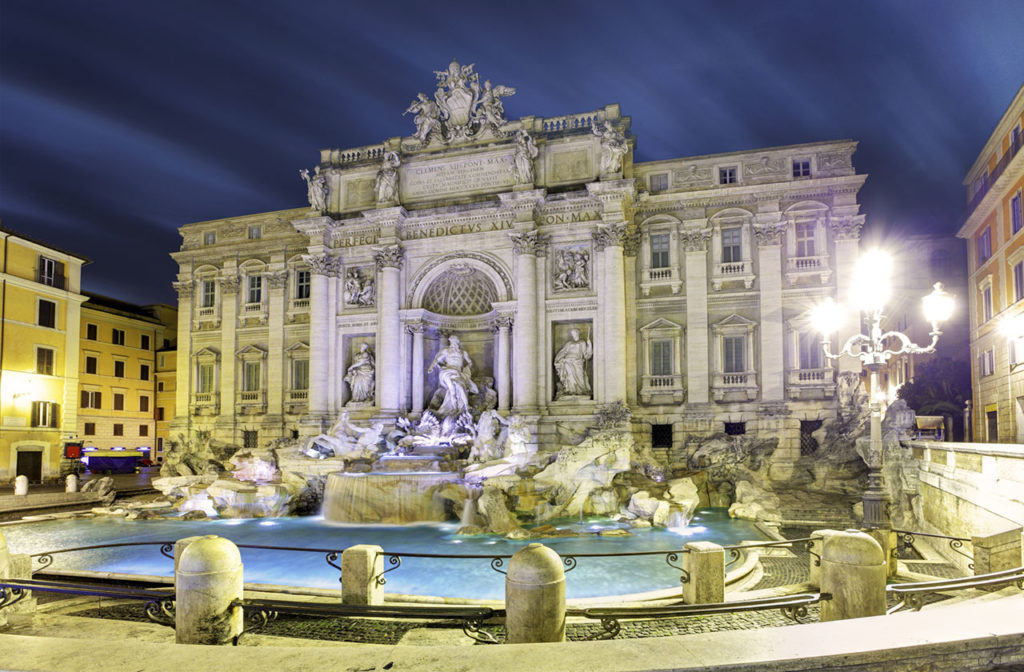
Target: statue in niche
x,y
386,184
359,291
316,189
526,152
360,375
455,376
571,367
572,270
428,116
613,147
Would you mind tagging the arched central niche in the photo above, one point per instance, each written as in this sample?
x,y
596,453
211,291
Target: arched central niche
x,y
460,290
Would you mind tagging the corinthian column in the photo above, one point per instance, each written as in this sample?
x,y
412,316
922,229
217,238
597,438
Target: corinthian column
x,y
389,328
524,386
322,269
608,240
416,329
501,365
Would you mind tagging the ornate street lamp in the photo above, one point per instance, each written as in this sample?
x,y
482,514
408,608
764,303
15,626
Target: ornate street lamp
x,y
871,289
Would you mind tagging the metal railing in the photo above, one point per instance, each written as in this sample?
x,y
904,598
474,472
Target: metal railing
x,y
735,554
912,594
159,606
955,543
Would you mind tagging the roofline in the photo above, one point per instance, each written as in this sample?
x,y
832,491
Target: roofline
x,y
756,150
35,241
996,135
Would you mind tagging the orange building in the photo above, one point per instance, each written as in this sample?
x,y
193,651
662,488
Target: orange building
x,y
995,258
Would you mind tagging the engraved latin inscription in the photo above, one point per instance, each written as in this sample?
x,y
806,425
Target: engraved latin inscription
x,y
477,174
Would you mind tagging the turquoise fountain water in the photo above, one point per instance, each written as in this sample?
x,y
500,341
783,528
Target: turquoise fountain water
x,y
468,578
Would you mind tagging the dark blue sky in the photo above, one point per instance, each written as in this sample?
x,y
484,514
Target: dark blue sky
x,y
120,121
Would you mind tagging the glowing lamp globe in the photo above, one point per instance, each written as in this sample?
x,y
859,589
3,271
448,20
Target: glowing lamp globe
x,y
1012,326
827,316
938,306
871,281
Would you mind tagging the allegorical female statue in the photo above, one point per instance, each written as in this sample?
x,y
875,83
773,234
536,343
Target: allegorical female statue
x,y
526,152
386,184
455,376
316,189
360,375
571,367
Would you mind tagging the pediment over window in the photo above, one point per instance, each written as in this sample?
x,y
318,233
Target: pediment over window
x,y
299,348
734,322
252,350
206,353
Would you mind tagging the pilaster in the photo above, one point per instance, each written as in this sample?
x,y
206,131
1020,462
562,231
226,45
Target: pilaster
x,y
768,230
695,236
524,388
389,259
845,230
321,314
276,281
183,375
229,282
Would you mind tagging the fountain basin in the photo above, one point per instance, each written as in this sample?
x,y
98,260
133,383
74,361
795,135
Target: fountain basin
x,y
387,497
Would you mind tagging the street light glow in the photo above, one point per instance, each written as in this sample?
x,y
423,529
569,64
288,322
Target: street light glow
x,y
871,281
938,306
828,316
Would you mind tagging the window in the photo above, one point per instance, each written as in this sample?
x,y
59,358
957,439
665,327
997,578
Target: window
x,y
987,363
117,336
204,378
809,444
1015,137
302,286
734,350
118,429
735,428
160,413
144,341
44,361
802,168
118,401
162,362
727,175
144,404
986,303
254,232
209,290
47,314
661,436
143,430
118,369
984,243
250,438
255,289
1016,351
209,238
144,372
1016,214
160,386
44,414
805,239
810,350
250,376
731,245
661,357
51,272
92,332
659,182
659,250
300,374
1018,281
90,429
91,399
91,364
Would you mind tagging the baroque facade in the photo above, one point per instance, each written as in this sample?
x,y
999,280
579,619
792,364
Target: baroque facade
x,y
571,275
995,218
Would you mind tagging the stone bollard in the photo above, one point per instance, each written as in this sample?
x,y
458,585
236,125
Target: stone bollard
x,y
360,567
997,552
21,485
208,578
71,485
853,571
817,548
179,548
535,596
705,564
888,540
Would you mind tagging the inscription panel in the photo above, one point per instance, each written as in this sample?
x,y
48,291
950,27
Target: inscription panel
x,y
359,192
480,173
567,166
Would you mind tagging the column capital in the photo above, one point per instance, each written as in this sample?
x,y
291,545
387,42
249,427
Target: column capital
x,y
414,328
322,264
695,240
389,256
846,227
277,279
529,242
501,323
184,289
769,234
631,244
610,235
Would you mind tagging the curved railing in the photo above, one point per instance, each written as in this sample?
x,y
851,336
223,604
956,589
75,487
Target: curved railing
x,y
955,543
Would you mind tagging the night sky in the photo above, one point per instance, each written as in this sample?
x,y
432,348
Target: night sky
x,y
120,121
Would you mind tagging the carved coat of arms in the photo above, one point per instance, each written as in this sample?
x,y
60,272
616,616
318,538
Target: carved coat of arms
x,y
462,108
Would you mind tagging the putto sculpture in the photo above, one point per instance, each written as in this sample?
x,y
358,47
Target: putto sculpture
x,y
359,290
462,108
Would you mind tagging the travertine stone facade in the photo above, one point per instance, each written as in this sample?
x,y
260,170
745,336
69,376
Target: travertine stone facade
x,y
686,283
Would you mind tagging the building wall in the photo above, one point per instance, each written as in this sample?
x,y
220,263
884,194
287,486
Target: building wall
x,y
21,383
166,379
995,185
515,242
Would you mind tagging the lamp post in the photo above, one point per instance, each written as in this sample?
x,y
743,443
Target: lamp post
x,y
871,289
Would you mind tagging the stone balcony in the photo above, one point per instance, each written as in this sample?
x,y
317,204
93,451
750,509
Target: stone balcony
x,y
297,400
663,389
252,314
250,402
660,277
734,386
798,268
207,317
205,403
733,271
811,383
298,310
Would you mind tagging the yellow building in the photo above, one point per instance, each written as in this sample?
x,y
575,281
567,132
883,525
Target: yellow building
x,y
166,372
118,386
995,242
40,307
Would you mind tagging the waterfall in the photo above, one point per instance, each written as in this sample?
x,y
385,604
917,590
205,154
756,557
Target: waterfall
x,y
389,498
